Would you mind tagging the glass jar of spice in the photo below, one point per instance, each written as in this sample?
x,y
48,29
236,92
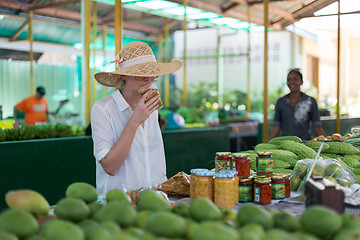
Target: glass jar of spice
x,y
223,161
193,176
242,161
205,185
264,163
224,189
287,184
262,191
277,186
245,190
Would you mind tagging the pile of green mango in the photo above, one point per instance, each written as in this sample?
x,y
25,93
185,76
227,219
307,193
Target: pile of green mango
x,y
81,216
27,132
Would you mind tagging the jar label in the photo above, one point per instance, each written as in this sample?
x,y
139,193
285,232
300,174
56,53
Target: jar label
x,y
233,165
265,165
222,165
256,194
245,194
278,191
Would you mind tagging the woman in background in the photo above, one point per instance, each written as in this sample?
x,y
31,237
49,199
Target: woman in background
x,y
296,112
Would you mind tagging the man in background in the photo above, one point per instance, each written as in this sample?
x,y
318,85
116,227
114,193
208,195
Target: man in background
x,y
35,108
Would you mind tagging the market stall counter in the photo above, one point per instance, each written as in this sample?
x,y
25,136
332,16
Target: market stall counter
x,y
50,165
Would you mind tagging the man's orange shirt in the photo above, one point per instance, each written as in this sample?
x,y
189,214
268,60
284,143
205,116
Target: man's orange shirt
x,y
35,109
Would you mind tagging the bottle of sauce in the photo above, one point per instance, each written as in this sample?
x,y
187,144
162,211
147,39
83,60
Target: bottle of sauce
x,y
262,190
264,163
245,190
287,185
223,161
242,161
277,186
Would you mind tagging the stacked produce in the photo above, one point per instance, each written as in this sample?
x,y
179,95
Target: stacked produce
x,y
27,132
287,150
80,216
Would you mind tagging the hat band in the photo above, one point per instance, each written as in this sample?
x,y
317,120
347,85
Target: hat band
x,y
136,60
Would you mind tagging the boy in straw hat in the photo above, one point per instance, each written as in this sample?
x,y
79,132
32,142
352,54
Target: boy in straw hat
x,y
128,145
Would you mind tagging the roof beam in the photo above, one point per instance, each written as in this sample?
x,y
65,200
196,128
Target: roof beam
x,y
215,8
305,11
19,31
276,11
273,10
56,4
66,14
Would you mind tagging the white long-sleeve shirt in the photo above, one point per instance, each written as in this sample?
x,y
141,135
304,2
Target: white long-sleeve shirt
x,y
145,164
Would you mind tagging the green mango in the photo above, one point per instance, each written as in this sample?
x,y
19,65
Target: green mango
x,y
124,215
82,190
119,196
181,209
202,209
19,222
276,234
166,224
4,235
72,209
111,226
151,200
286,221
142,218
97,233
214,231
94,207
250,213
252,231
58,229
320,221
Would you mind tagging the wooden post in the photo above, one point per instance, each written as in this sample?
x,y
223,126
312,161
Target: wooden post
x,y
265,131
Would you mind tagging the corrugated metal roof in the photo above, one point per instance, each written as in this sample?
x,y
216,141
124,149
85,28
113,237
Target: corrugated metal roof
x,y
58,21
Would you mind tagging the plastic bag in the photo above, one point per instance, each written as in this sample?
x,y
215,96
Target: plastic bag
x,y
330,168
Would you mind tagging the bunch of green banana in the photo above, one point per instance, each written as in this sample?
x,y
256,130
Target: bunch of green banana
x,y
10,134
2,135
64,130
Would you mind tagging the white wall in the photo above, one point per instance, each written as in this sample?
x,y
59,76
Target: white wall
x,y
204,42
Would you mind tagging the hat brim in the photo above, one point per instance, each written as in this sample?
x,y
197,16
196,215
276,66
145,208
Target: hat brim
x,y
148,69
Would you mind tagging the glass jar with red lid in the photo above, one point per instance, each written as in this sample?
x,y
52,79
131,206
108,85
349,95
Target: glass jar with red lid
x,y
262,191
223,161
264,163
277,186
242,163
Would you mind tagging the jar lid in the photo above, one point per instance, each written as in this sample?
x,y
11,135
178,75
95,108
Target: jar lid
x,y
205,174
286,175
224,175
277,177
230,171
241,155
195,170
223,153
264,153
262,180
244,180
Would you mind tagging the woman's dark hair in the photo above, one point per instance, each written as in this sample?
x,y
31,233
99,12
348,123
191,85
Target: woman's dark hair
x,y
295,70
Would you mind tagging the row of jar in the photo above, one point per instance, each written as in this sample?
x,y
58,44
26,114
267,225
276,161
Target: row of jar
x,y
241,163
226,189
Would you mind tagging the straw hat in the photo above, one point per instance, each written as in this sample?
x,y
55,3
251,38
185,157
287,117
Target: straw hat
x,y
61,95
136,59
